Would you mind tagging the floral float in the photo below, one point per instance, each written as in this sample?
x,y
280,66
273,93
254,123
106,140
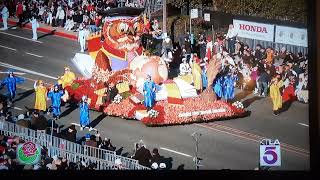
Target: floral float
x,y
119,60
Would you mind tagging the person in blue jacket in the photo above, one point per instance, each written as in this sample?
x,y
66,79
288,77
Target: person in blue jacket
x,y
84,114
229,86
149,90
11,83
218,87
55,95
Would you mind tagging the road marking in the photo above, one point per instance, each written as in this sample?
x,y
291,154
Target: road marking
x,y
17,108
16,73
302,124
80,126
26,70
34,55
21,37
285,146
183,154
8,48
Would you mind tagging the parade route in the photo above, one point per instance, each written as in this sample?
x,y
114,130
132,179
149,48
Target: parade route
x,y
231,144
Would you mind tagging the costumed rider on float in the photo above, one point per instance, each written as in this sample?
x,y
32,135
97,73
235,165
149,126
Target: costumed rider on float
x,y
66,80
185,68
149,92
167,49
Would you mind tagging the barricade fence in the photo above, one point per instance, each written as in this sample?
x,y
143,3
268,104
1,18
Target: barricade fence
x,y
11,129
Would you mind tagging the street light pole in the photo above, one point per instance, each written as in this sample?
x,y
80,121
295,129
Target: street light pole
x,y
196,159
164,17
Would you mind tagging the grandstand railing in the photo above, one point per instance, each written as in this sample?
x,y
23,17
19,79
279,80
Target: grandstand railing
x,y
11,129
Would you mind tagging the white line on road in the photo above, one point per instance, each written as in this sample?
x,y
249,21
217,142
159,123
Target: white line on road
x,y
34,55
302,124
8,48
26,70
79,126
16,73
21,37
17,108
183,154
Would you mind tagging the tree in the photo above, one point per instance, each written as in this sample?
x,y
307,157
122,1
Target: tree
x,y
288,10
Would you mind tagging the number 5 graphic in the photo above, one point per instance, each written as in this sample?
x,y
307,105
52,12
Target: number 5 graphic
x,y
270,156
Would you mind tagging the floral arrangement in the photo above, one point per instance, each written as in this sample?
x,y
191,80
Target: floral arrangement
x,y
117,99
153,113
238,105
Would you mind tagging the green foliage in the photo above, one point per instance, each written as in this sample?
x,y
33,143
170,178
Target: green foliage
x,y
289,10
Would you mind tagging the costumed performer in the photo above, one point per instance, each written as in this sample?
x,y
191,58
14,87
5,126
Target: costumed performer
x,y
204,73
149,90
218,87
34,25
184,68
229,84
67,78
11,82
82,38
41,96
276,95
196,73
55,95
84,114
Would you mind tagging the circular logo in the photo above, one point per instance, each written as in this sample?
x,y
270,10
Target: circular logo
x,y
28,153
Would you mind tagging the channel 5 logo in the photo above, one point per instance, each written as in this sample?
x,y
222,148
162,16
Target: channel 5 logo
x,y
270,153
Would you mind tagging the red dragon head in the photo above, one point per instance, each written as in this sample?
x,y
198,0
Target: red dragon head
x,y
123,33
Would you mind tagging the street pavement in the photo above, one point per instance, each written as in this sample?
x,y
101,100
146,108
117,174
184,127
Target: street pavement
x,y
228,144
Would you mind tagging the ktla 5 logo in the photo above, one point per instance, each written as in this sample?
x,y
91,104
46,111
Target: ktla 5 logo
x,y
270,153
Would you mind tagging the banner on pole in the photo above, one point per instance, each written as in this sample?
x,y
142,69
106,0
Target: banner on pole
x,y
207,17
194,13
292,36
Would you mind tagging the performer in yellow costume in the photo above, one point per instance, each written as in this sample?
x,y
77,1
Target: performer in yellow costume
x,y
196,73
67,78
41,96
276,95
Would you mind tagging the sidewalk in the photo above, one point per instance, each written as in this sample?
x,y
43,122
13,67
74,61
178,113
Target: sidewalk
x,y
57,31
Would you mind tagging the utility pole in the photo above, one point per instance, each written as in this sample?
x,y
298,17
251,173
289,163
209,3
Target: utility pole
x,y
196,159
164,17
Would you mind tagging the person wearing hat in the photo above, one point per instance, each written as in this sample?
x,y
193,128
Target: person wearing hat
x,y
184,68
11,82
82,38
67,78
55,95
149,90
84,114
41,96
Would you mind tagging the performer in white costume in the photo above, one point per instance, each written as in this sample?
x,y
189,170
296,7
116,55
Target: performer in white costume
x,y
5,15
34,25
185,68
82,38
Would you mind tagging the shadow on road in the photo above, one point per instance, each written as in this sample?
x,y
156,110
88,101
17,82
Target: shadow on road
x,y
95,122
24,95
286,106
241,95
246,103
47,34
71,107
180,167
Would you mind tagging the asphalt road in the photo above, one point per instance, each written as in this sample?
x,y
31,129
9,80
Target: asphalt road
x,y
230,144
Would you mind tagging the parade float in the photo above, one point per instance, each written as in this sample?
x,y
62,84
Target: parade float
x,y
119,59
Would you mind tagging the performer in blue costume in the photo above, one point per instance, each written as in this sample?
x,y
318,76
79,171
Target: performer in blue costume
x,y
55,95
84,114
229,87
149,90
11,82
218,87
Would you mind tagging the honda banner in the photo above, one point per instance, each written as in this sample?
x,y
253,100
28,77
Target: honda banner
x,y
252,30
292,36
